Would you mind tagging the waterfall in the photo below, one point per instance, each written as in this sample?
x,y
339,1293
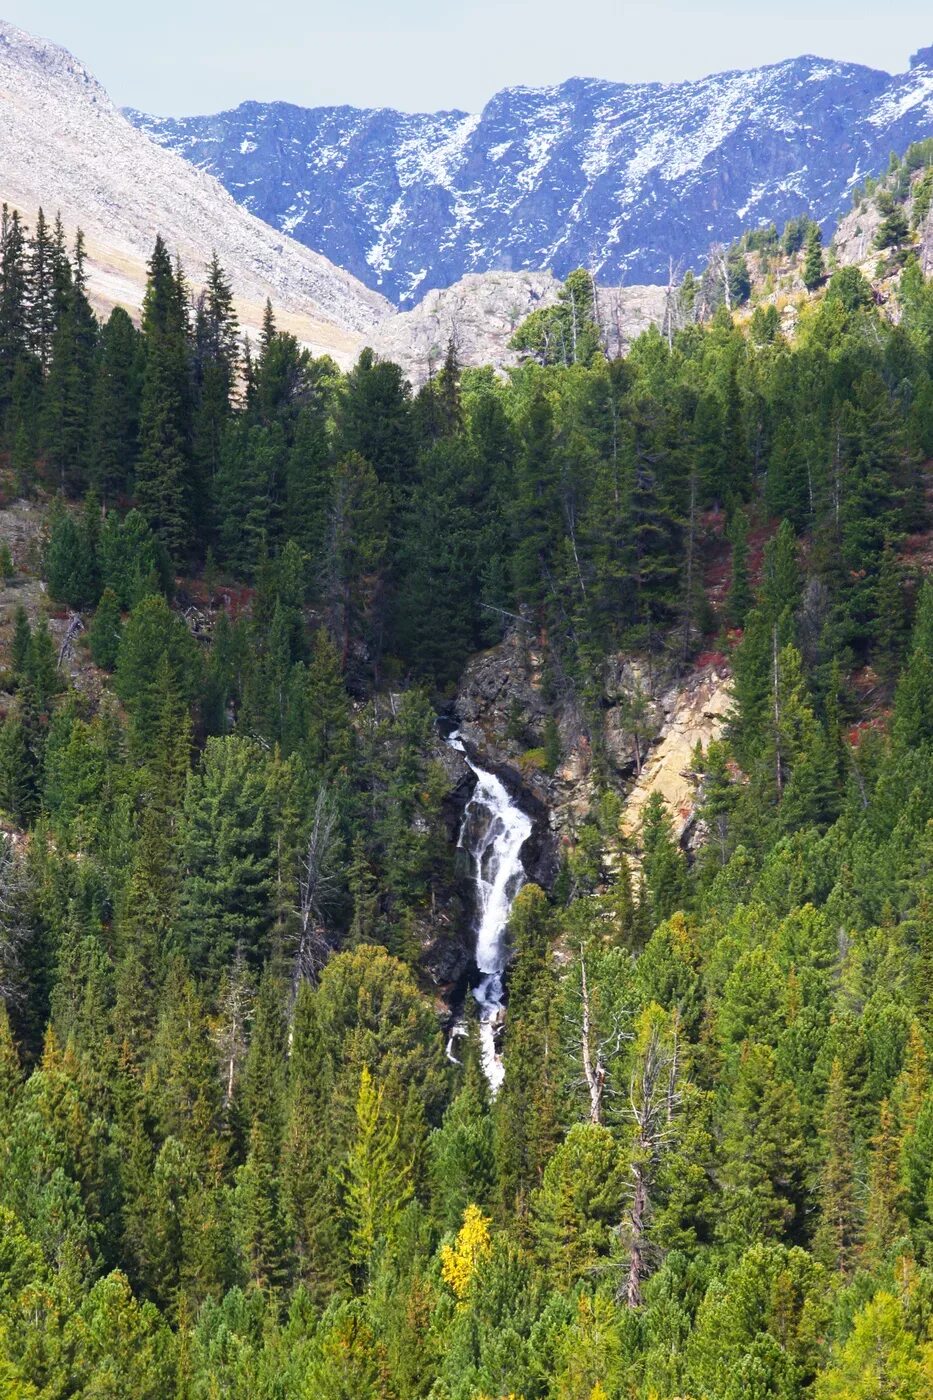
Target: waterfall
x,y
492,833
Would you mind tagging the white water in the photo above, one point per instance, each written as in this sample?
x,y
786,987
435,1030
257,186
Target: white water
x,y
493,832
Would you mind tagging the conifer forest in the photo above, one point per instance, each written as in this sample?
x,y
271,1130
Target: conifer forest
x,y
266,1129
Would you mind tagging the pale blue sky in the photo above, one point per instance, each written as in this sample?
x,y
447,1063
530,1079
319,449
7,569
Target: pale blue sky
x,y
186,56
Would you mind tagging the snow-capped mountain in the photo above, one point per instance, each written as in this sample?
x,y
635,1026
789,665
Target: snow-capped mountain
x,y
616,177
66,147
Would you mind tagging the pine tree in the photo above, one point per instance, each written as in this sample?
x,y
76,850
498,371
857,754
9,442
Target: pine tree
x,y
105,630
115,407
739,599
883,1219
375,421
156,649
216,362
227,851
762,1150
66,412
665,871
536,511
461,1160
889,625
42,292
70,565
576,1210
14,307
357,540
781,585
260,1216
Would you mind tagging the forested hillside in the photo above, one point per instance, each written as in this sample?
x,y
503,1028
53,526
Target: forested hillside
x,y
235,1159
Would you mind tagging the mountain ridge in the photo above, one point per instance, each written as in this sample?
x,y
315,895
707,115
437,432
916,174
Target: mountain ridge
x,y
620,178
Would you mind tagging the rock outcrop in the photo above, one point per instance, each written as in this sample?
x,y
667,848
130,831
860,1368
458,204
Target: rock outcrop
x,y
480,313
692,711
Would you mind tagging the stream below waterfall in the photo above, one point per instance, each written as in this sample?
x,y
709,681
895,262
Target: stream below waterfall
x,y
492,833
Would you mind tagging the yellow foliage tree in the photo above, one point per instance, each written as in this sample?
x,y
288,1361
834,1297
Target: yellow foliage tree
x,y
460,1260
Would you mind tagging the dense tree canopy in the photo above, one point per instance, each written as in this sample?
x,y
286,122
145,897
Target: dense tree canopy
x,y
235,1158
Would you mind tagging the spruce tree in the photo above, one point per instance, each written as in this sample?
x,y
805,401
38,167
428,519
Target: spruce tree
x,y
739,599
228,857
115,407
105,630
14,304
838,1233
162,471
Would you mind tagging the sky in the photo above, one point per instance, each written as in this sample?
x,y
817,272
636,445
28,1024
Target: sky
x,y
180,57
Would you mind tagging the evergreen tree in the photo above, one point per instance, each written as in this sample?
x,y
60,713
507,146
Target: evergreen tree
x,y
376,1175
115,407
105,631
67,400
228,858
762,1151
162,470
813,259
838,1233
14,305
739,599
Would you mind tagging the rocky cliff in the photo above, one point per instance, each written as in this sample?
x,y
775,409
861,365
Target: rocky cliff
x,y
616,177
481,312
648,725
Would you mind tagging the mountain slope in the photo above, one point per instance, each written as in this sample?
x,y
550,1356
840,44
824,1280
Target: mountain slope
x,y
64,145
616,177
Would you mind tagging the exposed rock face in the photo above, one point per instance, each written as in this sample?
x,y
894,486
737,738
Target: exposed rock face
x,y
692,711
499,706
481,312
615,177
854,239
501,711
64,146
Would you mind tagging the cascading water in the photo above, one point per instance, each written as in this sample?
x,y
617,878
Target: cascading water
x,y
492,833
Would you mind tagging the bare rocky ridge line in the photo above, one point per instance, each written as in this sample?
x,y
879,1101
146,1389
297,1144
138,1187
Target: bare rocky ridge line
x,y
65,146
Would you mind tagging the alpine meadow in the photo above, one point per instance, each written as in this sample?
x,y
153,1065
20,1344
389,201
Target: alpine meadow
x,y
466,817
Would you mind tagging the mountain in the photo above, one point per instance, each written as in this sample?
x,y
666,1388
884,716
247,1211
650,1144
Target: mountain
x,y
616,177
64,145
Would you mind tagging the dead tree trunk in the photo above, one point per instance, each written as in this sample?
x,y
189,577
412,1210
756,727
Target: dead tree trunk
x,y
593,1068
654,1100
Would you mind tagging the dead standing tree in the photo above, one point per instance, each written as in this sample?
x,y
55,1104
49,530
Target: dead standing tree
x,y
231,1037
674,319
654,1100
596,1050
